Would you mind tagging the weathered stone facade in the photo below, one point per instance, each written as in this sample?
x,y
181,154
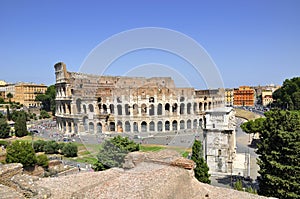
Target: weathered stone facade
x,y
220,139
95,104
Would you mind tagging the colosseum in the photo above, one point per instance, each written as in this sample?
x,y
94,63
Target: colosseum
x,y
95,104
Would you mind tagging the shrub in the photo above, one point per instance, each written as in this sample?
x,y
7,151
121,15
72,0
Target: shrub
x,y
51,147
39,145
21,152
42,160
70,150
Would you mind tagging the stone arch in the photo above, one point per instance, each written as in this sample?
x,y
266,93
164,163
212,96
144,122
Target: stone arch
x,y
151,126
195,124
112,126
188,108
84,108
112,108
85,123
200,122
167,107
188,124
159,109
144,109
205,106
104,108
91,127
167,126
151,109
144,126
127,111
119,108
119,126
174,108
135,109
99,127
209,105
182,124
78,105
195,107
151,99
174,125
91,108
135,127
200,106
159,126
127,126
181,111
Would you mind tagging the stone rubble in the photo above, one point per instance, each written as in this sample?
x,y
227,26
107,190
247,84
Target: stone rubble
x,y
163,175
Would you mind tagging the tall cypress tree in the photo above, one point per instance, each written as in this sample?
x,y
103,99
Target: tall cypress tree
x,y
279,155
20,125
201,170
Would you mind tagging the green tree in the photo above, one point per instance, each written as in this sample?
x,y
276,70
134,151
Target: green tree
x,y
39,145
20,152
44,114
48,99
253,126
279,155
4,128
201,170
70,150
20,125
113,152
8,116
288,96
51,147
9,96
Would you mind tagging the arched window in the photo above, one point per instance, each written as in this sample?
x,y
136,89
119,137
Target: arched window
x,y
85,123
84,108
144,108
144,126
167,126
152,126
159,109
174,108
151,109
181,109
188,124
159,126
135,127
119,107
182,124
174,125
189,105
104,107
99,127
78,105
91,108
112,109
195,123
91,127
112,126
127,126
167,107
127,111
135,109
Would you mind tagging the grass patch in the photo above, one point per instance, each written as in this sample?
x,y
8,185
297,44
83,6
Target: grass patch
x,y
88,160
146,148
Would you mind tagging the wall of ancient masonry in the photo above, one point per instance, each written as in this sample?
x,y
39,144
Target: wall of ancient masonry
x,y
95,104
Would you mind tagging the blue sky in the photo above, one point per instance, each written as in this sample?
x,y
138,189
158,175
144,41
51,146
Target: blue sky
x,y
251,42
